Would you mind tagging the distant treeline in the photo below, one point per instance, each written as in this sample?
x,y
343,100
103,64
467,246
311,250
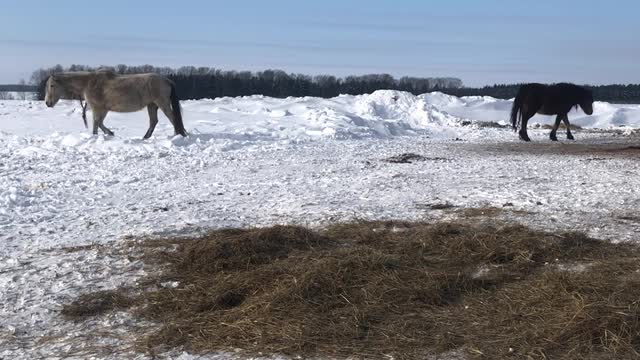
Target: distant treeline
x,y
18,88
204,82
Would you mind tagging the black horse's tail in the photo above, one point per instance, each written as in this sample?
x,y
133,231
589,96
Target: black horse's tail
x,y
516,110
177,113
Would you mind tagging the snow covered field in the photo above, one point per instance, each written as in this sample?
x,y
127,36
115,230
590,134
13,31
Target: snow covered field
x,y
258,161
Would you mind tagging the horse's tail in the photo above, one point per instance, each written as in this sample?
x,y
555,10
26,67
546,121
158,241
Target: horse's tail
x,y
177,113
516,110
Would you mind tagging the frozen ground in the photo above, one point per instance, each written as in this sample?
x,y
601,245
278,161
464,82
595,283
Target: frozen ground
x,y
258,161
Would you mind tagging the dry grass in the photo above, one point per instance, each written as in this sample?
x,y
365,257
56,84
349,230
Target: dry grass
x,y
97,303
474,212
405,158
630,217
485,124
436,206
489,212
408,158
368,290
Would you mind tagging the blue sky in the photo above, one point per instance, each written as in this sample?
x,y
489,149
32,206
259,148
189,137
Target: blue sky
x,y
481,42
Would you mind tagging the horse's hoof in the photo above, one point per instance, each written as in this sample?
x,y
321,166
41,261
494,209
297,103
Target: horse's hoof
x,y
570,137
553,138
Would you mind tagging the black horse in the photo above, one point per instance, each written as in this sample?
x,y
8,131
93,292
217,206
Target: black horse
x,y
556,99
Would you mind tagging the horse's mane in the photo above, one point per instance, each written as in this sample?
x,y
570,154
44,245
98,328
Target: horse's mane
x,y
577,92
108,73
71,74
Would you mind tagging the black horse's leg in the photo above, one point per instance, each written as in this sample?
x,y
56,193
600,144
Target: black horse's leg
x,y
566,123
552,136
523,127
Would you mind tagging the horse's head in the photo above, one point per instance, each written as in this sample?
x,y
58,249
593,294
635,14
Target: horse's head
x,y
53,90
586,103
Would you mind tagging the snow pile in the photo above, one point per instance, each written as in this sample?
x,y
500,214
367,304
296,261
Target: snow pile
x,y
381,114
392,113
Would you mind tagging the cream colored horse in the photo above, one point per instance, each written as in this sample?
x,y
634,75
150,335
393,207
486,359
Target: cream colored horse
x,y
105,91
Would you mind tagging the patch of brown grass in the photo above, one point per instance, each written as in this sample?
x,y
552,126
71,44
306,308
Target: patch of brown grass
x,y
560,314
630,217
473,212
376,289
97,303
436,206
485,124
408,158
405,158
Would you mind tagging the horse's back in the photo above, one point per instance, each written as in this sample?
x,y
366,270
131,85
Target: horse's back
x,y
155,84
146,82
126,93
532,93
550,88
532,88
548,99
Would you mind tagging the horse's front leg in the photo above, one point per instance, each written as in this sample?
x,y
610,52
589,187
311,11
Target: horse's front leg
x,y
566,123
552,136
153,119
98,116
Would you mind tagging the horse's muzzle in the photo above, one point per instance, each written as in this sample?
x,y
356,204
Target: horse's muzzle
x,y
49,104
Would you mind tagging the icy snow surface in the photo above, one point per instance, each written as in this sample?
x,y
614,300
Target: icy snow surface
x,y
259,161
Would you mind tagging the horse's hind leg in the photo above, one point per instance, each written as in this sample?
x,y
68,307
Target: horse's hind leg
x,y
98,118
566,123
552,136
153,119
166,109
106,130
523,129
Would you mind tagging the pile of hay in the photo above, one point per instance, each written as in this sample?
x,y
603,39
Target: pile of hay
x,y
406,290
